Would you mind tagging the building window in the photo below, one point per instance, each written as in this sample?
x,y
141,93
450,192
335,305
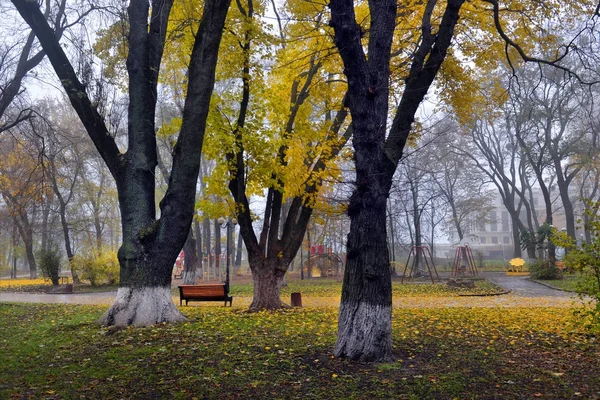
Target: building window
x,y
495,239
482,240
506,240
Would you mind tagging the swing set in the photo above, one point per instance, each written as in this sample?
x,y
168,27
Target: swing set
x,y
420,252
464,262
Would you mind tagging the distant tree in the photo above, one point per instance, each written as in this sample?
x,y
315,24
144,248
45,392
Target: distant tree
x,y
23,187
461,183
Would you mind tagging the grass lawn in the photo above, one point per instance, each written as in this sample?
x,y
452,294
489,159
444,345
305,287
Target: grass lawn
x,y
243,287
58,352
569,282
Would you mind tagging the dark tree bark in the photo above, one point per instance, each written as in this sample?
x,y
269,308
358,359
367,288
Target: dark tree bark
x,y
238,254
364,330
26,232
150,244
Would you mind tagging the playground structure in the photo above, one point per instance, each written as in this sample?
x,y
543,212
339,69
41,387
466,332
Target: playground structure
x,y
209,272
321,263
417,253
516,267
464,262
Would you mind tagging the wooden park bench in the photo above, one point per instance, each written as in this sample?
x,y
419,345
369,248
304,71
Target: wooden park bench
x,y
207,292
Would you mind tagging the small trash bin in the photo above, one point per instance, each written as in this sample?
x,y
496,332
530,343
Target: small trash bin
x,y
297,299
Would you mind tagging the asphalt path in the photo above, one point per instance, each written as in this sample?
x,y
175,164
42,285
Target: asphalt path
x,y
524,287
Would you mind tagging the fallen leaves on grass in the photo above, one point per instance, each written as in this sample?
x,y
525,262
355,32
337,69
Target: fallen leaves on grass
x,y
228,353
16,284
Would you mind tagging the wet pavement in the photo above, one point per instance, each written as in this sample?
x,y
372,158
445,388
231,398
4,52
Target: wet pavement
x,y
523,286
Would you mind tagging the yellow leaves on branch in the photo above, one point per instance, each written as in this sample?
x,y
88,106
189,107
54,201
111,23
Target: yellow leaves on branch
x,y
296,87
21,175
18,283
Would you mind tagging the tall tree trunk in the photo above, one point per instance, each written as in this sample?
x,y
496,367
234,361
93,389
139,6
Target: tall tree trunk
x,y
516,240
67,239
392,235
198,233
98,224
15,240
62,203
416,214
308,260
301,263
238,254
364,328
218,260
45,224
207,244
191,260
26,232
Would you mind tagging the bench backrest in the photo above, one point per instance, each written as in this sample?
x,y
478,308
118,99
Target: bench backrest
x,y
212,290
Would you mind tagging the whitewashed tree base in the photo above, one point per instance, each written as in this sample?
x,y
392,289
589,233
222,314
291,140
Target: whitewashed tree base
x,y
364,332
142,307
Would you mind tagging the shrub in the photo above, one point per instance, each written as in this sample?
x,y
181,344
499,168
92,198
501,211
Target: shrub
x,y
98,269
544,269
49,262
585,259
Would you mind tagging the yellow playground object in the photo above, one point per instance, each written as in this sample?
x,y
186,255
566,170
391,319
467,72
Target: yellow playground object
x,y
516,267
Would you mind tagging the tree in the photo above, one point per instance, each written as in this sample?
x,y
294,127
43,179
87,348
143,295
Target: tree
x,y
23,184
150,243
461,184
278,131
364,328
63,166
497,155
366,51
550,108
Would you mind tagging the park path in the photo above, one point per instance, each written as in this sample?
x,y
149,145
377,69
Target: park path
x,y
523,286
523,293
